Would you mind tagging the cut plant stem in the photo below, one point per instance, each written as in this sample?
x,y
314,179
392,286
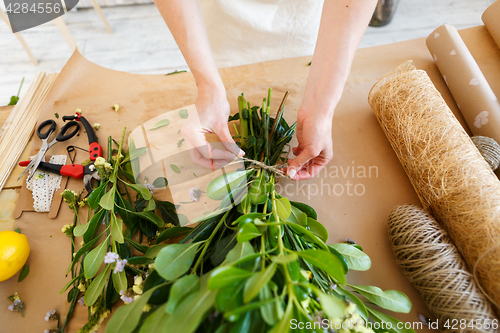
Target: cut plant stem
x,y
242,104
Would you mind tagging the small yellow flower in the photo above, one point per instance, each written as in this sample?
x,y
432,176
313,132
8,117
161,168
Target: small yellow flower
x,y
81,204
81,287
350,309
137,289
306,274
116,107
99,161
65,228
96,126
78,111
138,280
146,308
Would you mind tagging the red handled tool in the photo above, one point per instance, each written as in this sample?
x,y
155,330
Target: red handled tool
x,y
95,149
62,136
77,171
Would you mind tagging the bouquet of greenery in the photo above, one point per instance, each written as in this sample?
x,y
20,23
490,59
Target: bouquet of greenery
x,y
259,264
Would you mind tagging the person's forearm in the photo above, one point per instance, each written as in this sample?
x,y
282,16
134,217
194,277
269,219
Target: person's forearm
x,y
184,19
343,23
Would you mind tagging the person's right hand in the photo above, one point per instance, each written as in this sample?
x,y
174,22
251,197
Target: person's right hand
x,y
212,115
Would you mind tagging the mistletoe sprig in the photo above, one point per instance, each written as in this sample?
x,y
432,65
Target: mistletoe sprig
x,y
260,265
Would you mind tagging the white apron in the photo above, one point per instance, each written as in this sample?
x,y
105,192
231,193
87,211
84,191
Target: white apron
x,y
249,31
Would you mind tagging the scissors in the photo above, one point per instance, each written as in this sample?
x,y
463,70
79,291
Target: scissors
x,y
62,136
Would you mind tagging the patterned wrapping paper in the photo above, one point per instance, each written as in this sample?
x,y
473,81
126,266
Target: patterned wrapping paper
x,y
491,19
477,102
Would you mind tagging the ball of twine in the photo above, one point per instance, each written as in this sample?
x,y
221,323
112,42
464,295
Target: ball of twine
x,y
451,178
433,265
489,148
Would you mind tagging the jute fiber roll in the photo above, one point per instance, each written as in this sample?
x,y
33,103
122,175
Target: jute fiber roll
x,y
451,178
489,148
433,265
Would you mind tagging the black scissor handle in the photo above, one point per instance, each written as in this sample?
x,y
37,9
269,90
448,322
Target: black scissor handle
x,y
46,134
63,136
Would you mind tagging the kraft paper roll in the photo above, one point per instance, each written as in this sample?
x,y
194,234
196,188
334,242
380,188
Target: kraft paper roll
x,y
477,102
451,178
491,19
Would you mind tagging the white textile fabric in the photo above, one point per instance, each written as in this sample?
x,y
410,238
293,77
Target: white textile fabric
x,y
248,31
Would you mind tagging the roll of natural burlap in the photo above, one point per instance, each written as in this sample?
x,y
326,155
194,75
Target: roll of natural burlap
x,y
433,265
448,173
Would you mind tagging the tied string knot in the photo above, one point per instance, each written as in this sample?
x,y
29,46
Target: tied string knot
x,y
275,169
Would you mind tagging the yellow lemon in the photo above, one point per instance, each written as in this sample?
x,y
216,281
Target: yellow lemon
x,y
14,251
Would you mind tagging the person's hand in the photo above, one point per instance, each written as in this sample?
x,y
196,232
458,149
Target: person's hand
x,y
314,151
212,114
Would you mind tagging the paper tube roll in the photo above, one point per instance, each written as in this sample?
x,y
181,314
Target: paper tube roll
x,y
477,102
491,19
448,173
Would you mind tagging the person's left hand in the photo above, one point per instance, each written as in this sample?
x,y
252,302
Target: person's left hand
x,y
314,151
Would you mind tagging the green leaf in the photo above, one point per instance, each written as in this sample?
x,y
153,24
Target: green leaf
x,y
151,217
230,298
297,216
255,283
257,191
181,288
306,209
382,317
116,228
390,299
80,229
120,281
24,273
151,205
167,211
96,196
80,252
326,261
283,208
269,311
70,283
285,259
139,261
248,218
172,233
191,310
356,259
341,258
226,275
160,182
360,306
94,259
133,153
175,260
156,321
333,306
139,247
141,189
126,318
13,100
221,186
247,232
183,113
175,168
317,228
284,325
108,199
153,251
300,230
93,225
161,123
96,286
239,251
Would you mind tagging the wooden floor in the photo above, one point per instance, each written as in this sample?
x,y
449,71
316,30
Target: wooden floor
x,y
142,43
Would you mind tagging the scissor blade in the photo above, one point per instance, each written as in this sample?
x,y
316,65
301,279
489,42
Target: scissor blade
x,y
28,167
36,161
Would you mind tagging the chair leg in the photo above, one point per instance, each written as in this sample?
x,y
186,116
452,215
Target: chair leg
x,y
63,29
20,38
97,8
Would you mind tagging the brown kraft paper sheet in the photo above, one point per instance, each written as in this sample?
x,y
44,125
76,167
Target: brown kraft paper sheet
x,y
491,19
353,195
477,102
